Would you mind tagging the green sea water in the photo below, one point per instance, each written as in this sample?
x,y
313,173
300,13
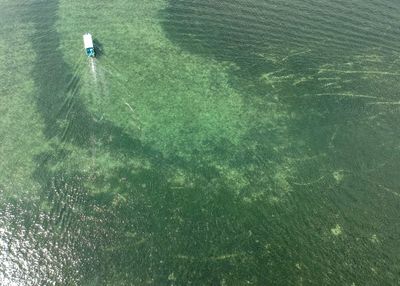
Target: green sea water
x,y
242,142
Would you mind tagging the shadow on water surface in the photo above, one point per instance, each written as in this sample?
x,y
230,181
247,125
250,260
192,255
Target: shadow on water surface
x,y
98,48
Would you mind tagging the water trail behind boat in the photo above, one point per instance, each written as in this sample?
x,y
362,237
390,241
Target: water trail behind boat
x,y
98,78
92,62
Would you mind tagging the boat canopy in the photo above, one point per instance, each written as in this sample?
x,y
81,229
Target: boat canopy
x,y
87,40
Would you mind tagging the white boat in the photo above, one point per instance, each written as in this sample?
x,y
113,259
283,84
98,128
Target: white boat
x,y
88,44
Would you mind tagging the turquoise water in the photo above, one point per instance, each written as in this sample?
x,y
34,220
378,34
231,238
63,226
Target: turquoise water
x,y
215,143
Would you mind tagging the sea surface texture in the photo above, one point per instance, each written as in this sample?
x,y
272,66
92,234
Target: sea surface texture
x,y
229,142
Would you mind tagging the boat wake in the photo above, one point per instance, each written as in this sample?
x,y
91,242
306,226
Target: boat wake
x,y
98,77
93,68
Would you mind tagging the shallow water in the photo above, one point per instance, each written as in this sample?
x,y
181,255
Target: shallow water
x,y
217,143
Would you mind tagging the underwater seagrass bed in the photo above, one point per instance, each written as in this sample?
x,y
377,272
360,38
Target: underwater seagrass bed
x,y
251,142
